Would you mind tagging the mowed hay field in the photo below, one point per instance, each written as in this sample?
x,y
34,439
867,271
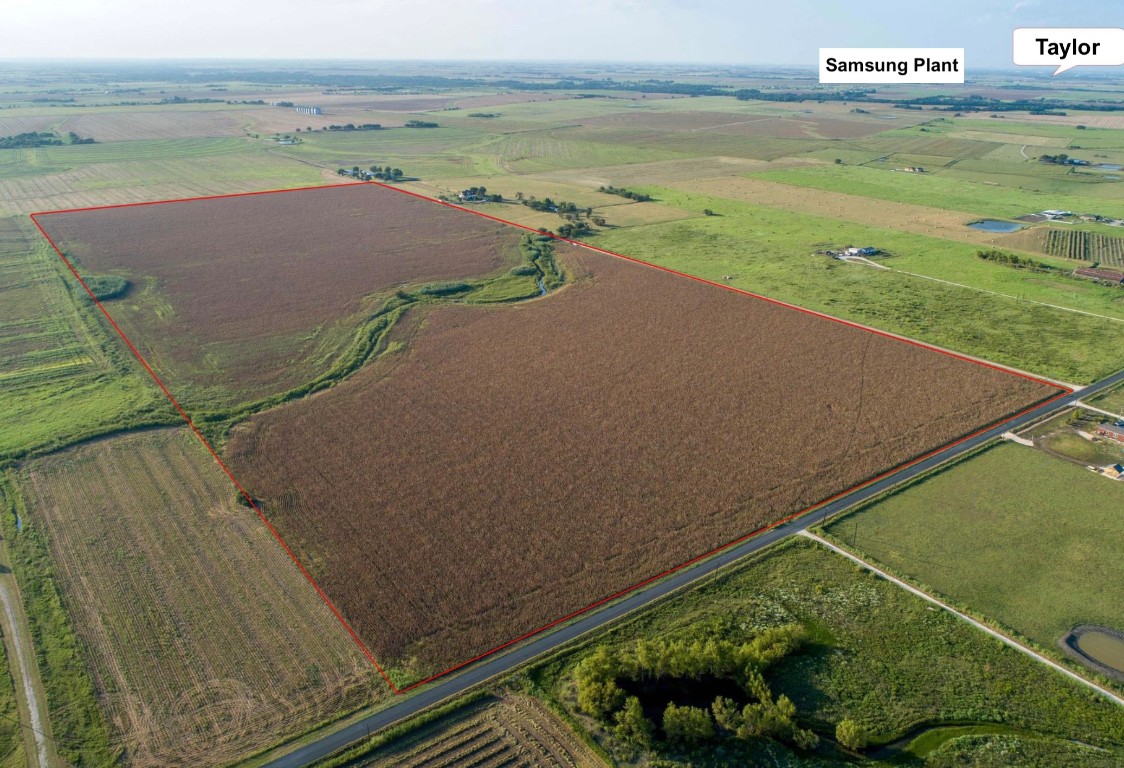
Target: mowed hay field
x,y
517,463
251,292
203,637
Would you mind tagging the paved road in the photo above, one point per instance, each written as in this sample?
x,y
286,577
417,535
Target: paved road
x,y
498,665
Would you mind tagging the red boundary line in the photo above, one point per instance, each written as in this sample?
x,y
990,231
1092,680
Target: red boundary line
x,y
339,616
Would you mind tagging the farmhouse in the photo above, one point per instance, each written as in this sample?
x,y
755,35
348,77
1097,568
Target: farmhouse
x,y
1090,273
1111,431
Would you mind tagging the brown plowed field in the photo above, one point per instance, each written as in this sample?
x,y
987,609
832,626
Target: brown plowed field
x,y
239,291
518,463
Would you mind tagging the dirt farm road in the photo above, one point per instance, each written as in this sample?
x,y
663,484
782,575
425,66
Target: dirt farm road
x,y
496,665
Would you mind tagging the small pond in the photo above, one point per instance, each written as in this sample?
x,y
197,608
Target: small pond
x,y
1110,166
1099,647
994,225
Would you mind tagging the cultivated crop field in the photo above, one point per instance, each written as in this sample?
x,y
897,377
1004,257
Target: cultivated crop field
x,y
510,730
585,441
262,322
202,636
1085,246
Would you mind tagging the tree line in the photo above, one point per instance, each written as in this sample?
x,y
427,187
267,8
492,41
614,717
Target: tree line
x,y
627,193
34,139
1014,260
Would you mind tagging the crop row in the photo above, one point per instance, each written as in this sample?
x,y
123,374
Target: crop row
x,y
201,635
1085,246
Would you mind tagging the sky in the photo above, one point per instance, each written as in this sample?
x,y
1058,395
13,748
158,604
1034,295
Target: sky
x,y
783,32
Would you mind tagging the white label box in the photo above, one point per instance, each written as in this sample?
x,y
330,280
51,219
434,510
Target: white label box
x,y
891,65
1068,47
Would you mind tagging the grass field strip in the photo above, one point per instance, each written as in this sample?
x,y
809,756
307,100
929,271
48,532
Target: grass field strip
x,y
985,290
978,625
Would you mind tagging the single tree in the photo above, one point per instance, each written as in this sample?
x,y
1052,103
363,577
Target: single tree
x,y
687,725
851,735
632,726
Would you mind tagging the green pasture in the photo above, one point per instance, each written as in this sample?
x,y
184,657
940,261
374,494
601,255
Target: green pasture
x,y
963,190
1030,541
878,655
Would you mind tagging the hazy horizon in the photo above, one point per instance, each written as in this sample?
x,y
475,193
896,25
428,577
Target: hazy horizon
x,y
709,32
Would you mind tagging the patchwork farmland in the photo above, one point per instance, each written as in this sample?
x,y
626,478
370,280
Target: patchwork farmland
x,y
238,293
407,389
584,442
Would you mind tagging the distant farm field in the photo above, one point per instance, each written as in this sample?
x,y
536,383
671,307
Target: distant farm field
x,y
250,293
945,189
1017,535
202,636
513,464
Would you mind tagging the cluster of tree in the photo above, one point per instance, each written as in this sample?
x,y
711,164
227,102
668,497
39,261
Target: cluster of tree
x,y
600,694
354,127
421,124
563,208
385,174
483,114
480,194
375,172
1061,159
283,104
1014,260
574,229
39,139
628,193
